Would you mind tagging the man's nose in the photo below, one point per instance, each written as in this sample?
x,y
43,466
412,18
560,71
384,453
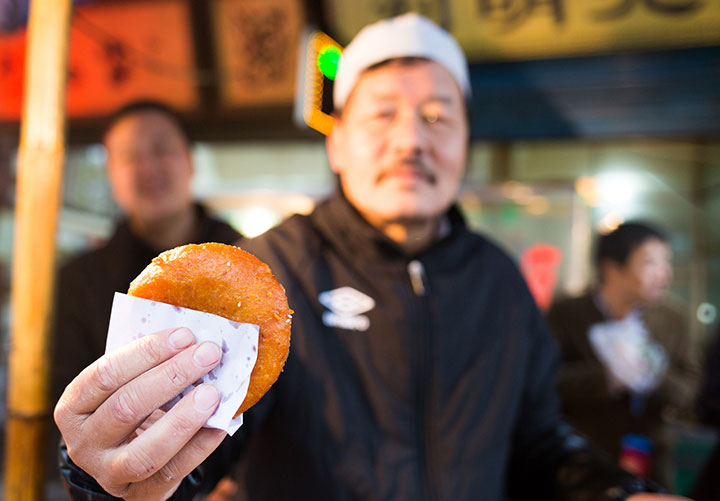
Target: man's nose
x,y
668,274
146,161
409,133
664,275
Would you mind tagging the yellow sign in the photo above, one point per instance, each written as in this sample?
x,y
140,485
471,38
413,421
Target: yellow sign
x,y
313,83
526,29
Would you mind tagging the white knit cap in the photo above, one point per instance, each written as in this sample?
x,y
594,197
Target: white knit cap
x,y
409,35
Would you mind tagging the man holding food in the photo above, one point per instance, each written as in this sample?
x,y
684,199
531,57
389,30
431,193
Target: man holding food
x,y
419,366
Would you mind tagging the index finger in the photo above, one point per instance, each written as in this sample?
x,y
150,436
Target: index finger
x,y
113,370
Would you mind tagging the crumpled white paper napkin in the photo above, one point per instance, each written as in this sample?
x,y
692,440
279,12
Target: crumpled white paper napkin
x,y
632,358
132,318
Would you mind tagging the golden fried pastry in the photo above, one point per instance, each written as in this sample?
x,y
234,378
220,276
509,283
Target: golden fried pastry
x,y
229,282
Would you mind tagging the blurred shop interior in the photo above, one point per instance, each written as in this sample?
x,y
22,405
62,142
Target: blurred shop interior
x,y
582,118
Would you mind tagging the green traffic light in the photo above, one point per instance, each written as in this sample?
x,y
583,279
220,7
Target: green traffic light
x,y
327,61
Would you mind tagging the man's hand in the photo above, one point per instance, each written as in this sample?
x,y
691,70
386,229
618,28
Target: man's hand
x,y
113,429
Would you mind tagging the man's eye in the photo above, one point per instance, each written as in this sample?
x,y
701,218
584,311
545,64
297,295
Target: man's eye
x,y
432,117
384,114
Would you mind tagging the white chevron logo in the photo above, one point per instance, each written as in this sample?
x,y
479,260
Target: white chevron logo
x,y
346,305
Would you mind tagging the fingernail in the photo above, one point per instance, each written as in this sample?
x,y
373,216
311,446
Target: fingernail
x,y
206,354
181,338
206,397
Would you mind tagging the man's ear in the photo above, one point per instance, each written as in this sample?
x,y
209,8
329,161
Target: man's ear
x,y
334,146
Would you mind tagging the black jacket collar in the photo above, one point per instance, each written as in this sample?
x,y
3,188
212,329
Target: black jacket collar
x,y
207,229
339,222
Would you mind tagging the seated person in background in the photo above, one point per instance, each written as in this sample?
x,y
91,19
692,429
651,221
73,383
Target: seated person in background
x,y
627,360
149,168
420,367
707,485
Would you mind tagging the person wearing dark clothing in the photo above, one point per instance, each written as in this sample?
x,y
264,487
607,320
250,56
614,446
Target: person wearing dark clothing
x,y
602,399
707,485
373,392
149,167
419,367
606,415
398,387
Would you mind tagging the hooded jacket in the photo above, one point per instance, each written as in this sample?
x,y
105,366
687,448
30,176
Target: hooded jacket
x,y
409,377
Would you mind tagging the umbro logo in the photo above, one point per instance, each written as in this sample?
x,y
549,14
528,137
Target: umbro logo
x,y
346,306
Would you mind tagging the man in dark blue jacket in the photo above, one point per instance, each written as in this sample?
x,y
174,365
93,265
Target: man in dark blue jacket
x,y
420,367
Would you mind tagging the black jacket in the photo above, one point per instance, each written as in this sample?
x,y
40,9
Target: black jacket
x,y
417,377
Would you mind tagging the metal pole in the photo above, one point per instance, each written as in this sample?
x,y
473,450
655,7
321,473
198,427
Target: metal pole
x,y
39,179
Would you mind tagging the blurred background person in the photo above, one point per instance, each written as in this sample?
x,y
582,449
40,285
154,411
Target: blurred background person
x,y
149,168
628,361
707,485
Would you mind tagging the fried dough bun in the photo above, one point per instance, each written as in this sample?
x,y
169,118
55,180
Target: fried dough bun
x,y
229,282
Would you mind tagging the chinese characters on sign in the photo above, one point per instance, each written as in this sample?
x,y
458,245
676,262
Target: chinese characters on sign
x,y
524,29
257,43
511,13
621,8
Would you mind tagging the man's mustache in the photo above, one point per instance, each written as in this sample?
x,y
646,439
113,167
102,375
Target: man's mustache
x,y
415,163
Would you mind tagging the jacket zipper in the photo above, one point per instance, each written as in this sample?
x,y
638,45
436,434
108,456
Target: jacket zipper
x,y
417,277
420,288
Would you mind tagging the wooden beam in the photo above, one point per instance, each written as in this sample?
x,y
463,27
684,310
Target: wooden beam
x,y
39,180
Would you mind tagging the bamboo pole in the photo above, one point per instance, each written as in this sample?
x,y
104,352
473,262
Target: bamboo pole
x,y
39,179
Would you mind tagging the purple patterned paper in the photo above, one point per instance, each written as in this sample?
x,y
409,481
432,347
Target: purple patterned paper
x,y
133,318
